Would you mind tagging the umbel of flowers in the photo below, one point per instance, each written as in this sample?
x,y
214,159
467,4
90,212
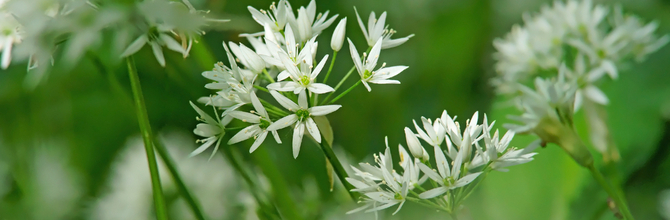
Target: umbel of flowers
x,y
566,50
461,156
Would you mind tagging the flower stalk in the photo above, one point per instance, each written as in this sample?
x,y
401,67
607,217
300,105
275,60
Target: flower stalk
x,y
145,128
339,169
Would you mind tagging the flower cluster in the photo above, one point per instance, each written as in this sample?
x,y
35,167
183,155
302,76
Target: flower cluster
x,y
568,48
282,62
461,155
605,38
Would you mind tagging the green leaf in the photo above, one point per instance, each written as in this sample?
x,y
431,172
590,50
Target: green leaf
x,y
327,134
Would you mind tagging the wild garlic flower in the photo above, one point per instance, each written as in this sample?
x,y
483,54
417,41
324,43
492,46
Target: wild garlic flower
x,y
338,35
10,34
157,37
247,57
367,64
378,30
605,38
305,26
277,19
212,130
301,118
468,154
303,77
258,130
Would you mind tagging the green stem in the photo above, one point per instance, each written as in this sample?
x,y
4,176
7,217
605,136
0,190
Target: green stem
x,y
435,205
330,69
339,169
145,128
273,107
618,198
232,156
453,215
340,83
265,71
181,186
345,92
261,88
280,190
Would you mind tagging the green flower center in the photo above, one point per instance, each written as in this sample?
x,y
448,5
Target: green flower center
x,y
449,181
397,196
264,124
153,33
305,80
6,32
367,74
601,53
302,114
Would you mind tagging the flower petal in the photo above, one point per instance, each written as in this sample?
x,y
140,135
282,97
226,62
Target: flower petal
x,y
283,122
323,110
298,132
285,102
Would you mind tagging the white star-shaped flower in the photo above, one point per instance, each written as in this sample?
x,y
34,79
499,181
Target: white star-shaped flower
x,y
302,78
157,37
366,66
448,178
212,130
302,118
258,130
377,30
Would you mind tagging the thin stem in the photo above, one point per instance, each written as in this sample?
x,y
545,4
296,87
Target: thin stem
x,y
338,168
282,197
340,83
145,128
345,92
261,88
618,198
424,203
265,71
330,69
176,177
273,107
453,215
232,156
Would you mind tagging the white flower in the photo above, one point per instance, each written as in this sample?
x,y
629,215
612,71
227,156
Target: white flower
x,y
247,57
434,132
276,53
366,67
396,189
157,37
302,118
9,35
277,19
584,81
410,168
377,30
302,78
496,150
261,121
306,25
414,145
338,35
212,130
448,178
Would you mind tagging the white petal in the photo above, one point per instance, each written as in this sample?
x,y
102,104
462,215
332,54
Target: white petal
x,y
373,57
318,67
433,193
283,122
285,102
360,23
135,46
302,100
313,129
298,132
430,173
158,52
244,134
245,116
596,95
203,147
283,86
172,44
323,110
259,140
257,104
356,58
320,88
466,180
391,43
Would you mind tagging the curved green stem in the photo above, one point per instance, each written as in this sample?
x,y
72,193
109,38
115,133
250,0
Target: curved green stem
x,y
267,75
261,88
338,168
619,199
145,128
340,83
280,190
330,69
181,186
345,92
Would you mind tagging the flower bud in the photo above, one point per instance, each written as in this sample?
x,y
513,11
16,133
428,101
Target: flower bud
x,y
414,145
338,35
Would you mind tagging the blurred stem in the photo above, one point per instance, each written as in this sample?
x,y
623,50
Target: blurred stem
x,y
616,196
174,172
339,84
345,92
280,190
265,71
330,69
145,128
453,215
261,88
232,156
339,169
426,203
274,108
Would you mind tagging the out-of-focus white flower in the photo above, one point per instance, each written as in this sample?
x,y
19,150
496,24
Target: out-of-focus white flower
x,y
377,30
157,37
367,64
308,24
9,35
302,77
302,118
448,177
212,130
261,121
277,19
338,35
129,194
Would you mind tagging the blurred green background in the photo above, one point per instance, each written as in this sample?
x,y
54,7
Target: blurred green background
x,y
89,114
